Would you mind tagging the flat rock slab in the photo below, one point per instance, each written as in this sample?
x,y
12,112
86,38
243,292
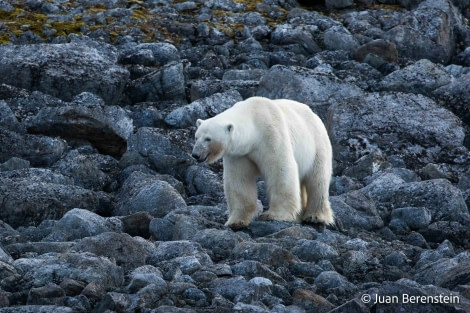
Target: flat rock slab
x,y
62,70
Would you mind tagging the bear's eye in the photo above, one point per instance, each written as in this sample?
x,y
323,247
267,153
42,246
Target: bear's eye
x,y
207,139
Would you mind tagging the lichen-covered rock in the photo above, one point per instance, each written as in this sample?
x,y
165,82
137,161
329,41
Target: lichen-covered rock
x,y
62,70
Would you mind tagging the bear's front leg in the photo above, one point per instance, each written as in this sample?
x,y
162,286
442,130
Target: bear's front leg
x,y
240,190
283,185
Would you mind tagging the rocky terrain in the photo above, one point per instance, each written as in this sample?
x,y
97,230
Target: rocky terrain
x,y
102,208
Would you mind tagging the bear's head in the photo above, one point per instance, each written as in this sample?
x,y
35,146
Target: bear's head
x,y
213,137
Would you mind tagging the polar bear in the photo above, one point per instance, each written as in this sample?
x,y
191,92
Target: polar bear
x,y
281,140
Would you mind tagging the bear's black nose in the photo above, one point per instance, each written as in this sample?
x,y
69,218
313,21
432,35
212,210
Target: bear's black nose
x,y
195,155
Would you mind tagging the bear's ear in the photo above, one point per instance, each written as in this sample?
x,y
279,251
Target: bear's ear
x,y
199,122
230,128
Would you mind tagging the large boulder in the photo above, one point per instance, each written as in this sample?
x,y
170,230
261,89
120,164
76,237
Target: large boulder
x,y
86,118
24,202
38,150
63,70
407,125
304,85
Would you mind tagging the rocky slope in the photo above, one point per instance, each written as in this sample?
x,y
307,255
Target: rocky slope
x,y
102,208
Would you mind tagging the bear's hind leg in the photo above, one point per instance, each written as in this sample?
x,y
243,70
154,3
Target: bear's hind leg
x,y
240,190
318,209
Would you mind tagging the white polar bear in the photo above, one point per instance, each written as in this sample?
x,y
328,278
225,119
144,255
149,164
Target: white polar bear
x,y
280,140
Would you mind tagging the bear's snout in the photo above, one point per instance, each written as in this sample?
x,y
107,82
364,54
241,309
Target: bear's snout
x,y
200,158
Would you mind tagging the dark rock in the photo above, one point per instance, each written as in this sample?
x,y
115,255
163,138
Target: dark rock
x,y
286,34
77,224
63,70
352,306
144,193
339,38
377,52
149,147
166,83
144,276
137,224
7,118
356,216
161,229
86,118
422,77
454,97
174,249
128,252
263,252
314,251
332,282
444,201
202,109
114,301
14,164
159,54
206,88
251,269
84,267
48,294
25,203
304,85
20,250
38,150
36,309
427,128
310,301
201,180
446,272
414,218
72,287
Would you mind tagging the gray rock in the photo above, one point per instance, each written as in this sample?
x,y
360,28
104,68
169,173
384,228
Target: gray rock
x,y
50,294
266,253
206,88
26,203
166,83
427,127
7,118
160,54
149,147
63,70
145,193
202,109
144,276
446,272
310,301
128,252
201,180
304,85
332,282
286,34
314,251
444,201
87,168
454,96
252,269
14,164
36,309
77,224
38,150
175,249
428,34
422,77
338,4
6,6
86,118
161,229
414,217
445,250
84,267
377,53
358,217
255,74
339,38
220,242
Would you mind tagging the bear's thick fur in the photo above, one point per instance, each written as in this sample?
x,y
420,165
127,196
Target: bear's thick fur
x,y
281,140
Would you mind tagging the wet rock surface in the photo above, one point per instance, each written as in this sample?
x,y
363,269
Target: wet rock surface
x,y
103,209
